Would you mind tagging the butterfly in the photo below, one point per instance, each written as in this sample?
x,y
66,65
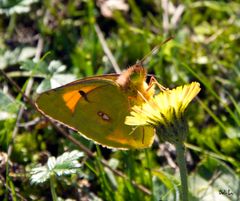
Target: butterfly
x,y
96,107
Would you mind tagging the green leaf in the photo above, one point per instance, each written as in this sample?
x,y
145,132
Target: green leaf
x,y
39,174
55,81
61,79
15,6
44,86
63,165
28,65
8,106
56,66
38,67
54,78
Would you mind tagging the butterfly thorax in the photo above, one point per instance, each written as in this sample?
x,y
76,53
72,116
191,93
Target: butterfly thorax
x,y
133,82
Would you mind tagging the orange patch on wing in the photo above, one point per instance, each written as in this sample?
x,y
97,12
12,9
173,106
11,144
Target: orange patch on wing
x,y
117,136
71,98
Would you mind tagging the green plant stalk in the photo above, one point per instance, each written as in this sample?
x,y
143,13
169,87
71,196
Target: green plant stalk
x,y
53,192
102,176
149,169
183,169
11,26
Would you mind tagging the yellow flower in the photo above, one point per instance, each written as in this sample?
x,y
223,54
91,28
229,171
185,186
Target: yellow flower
x,y
165,112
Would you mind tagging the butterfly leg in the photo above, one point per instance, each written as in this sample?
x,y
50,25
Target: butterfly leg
x,y
143,135
130,102
153,82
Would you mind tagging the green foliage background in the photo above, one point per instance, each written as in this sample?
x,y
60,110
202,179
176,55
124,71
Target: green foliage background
x,y
205,48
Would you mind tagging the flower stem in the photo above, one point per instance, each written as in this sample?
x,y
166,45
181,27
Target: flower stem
x,y
53,192
183,169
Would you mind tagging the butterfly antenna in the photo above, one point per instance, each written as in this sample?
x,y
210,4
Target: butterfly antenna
x,y
154,50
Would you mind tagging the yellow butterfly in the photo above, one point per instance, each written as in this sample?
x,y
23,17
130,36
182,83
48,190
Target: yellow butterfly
x,y
97,106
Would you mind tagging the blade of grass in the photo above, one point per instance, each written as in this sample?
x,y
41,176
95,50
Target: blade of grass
x,y
106,49
106,189
203,80
214,155
146,151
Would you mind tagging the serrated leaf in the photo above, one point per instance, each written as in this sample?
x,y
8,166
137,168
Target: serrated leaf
x,y
39,174
51,163
69,156
15,6
67,163
63,165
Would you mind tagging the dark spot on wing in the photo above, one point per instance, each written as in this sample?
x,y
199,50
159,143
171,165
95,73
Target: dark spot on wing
x,y
104,116
84,95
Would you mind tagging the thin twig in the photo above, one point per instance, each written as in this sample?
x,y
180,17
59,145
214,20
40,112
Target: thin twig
x,y
27,92
29,123
165,7
177,15
106,49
